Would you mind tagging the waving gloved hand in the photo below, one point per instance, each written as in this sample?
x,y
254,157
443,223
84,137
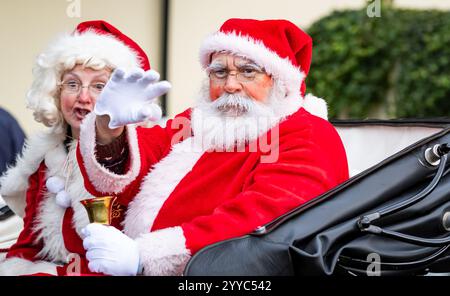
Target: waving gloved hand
x,y
129,98
109,251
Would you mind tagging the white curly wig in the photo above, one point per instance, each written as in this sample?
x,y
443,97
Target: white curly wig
x,y
89,49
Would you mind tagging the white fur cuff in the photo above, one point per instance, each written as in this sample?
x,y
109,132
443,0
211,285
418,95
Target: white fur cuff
x,y
103,179
19,266
163,252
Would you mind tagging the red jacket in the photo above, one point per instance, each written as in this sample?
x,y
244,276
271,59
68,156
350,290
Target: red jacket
x,y
184,200
50,237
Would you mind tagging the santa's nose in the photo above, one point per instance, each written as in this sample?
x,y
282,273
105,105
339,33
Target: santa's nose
x,y
232,85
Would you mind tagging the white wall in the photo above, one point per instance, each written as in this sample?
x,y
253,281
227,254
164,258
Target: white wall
x,y
27,26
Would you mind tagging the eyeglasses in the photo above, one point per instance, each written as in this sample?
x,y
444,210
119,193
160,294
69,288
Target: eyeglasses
x,y
243,74
74,87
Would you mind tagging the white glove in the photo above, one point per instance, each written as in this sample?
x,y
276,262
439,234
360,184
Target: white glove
x,y
130,98
109,251
56,185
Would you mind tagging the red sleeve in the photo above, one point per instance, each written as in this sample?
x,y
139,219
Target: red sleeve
x,y
26,245
153,144
311,161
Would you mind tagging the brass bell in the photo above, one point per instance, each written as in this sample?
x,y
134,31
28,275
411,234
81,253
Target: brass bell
x,y
99,209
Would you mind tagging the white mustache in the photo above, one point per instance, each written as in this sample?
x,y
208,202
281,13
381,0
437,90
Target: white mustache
x,y
234,104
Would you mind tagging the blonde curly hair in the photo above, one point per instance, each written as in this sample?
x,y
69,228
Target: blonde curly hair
x,y
90,49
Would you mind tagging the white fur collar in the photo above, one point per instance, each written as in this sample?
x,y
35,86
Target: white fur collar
x,y
15,181
158,185
47,147
51,215
160,182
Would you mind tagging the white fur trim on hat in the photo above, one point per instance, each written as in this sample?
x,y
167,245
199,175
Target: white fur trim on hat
x,y
93,50
281,69
72,49
163,252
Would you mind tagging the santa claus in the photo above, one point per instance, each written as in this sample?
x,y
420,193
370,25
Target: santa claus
x,y
253,148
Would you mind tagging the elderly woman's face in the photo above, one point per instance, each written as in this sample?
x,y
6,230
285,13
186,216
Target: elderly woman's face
x,y
235,75
79,90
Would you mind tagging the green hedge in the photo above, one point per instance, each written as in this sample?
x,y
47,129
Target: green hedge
x,y
398,63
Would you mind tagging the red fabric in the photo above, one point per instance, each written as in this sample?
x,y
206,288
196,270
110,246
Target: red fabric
x,y
280,36
155,143
39,274
228,194
26,245
73,244
72,241
84,269
218,202
103,27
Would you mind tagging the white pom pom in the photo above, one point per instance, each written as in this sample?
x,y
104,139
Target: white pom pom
x,y
316,106
63,199
55,184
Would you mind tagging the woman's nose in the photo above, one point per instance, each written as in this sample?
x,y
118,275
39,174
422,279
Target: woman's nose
x,y
85,95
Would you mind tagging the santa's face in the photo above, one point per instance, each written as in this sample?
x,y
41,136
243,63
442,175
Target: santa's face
x,y
76,98
236,105
239,78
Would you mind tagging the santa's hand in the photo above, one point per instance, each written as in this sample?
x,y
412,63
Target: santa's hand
x,y
129,97
109,251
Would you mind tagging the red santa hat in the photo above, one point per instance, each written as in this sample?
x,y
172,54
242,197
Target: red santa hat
x,y
102,29
277,45
94,44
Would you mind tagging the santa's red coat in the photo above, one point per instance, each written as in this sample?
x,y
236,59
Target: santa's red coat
x,y
184,199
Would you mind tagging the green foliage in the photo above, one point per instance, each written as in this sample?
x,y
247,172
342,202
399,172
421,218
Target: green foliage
x,y
398,63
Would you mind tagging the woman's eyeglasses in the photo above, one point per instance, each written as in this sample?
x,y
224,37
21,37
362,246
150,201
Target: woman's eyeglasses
x,y
74,87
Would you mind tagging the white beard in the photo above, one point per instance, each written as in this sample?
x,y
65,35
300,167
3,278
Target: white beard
x,y
232,121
